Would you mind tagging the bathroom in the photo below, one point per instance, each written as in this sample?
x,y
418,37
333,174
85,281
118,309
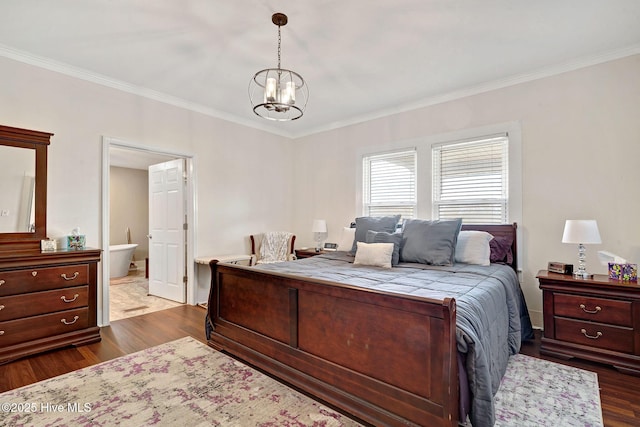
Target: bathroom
x,y
128,224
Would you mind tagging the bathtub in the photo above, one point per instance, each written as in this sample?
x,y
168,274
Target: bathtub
x,y
120,258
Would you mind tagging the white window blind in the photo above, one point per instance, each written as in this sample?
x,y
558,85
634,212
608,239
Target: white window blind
x,y
389,184
470,180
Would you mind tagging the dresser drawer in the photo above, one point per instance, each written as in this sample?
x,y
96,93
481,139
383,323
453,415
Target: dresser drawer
x,y
593,334
26,305
595,309
42,279
46,325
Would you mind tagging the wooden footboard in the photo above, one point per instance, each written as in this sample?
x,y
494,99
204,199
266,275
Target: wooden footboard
x,y
388,359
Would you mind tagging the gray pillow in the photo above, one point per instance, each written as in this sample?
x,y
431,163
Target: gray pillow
x,y
366,223
384,237
430,242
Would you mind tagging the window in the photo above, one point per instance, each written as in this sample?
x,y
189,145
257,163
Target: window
x,y
470,180
389,184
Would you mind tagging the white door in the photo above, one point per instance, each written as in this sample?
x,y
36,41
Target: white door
x,y
167,216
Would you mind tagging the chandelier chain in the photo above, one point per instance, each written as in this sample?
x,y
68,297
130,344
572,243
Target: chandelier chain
x,y
279,42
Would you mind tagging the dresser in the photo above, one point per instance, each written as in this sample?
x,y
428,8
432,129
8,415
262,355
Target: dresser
x,y
48,300
596,319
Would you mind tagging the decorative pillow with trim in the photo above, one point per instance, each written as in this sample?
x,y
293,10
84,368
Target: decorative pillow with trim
x,y
374,254
430,242
384,237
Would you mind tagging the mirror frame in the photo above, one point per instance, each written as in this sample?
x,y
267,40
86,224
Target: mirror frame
x,y
38,141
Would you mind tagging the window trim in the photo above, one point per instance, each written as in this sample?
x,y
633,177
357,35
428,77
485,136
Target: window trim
x,y
424,175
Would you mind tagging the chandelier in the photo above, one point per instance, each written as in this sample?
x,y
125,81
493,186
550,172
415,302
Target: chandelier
x,y
277,93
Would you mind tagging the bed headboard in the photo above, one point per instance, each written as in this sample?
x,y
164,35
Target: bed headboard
x,y
503,230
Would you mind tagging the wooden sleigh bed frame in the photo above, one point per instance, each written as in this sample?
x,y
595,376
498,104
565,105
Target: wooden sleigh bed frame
x,y
340,343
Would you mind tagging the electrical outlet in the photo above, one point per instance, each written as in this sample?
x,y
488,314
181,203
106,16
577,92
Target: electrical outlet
x,y
4,212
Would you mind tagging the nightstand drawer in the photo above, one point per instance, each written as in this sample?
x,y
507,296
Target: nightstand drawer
x,y
595,309
594,334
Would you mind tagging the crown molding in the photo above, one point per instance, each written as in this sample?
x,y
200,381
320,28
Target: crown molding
x,y
86,75
83,74
482,88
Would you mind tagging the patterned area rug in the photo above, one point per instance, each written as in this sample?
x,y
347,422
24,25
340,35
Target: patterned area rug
x,y
185,382
182,383
537,392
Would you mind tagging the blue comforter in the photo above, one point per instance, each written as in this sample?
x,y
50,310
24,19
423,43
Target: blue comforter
x,y
491,313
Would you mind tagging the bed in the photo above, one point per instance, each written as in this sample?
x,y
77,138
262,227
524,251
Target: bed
x,y
397,346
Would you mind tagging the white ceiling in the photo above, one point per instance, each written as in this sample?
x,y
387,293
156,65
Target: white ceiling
x,y
361,58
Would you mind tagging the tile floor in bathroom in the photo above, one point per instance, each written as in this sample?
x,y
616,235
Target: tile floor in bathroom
x,y
128,297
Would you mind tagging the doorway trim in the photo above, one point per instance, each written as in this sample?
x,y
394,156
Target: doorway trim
x,y
103,291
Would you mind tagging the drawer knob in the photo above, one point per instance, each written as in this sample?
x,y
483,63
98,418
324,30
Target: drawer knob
x,y
64,276
75,319
64,299
34,273
1,332
584,308
1,307
593,337
2,282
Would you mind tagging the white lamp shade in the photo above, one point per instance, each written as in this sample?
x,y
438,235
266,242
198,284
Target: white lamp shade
x,y
319,226
581,231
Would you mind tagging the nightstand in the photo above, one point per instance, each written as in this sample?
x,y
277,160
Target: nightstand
x,y
308,253
596,319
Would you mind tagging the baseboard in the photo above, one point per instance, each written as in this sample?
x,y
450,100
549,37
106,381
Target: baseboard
x,y
537,319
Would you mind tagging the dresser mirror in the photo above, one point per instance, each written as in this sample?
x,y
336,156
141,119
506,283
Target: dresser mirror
x,y
23,188
17,180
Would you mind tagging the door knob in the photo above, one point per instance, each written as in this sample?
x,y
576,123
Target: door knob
x,y
149,236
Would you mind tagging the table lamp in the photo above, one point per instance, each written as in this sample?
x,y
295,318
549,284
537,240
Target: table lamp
x,y
319,230
581,232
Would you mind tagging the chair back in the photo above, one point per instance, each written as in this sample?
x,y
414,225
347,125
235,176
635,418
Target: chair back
x,y
272,247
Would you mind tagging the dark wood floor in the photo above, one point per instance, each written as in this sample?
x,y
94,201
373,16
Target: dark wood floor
x,y
619,393
121,337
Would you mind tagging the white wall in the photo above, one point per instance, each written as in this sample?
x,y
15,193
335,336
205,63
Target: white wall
x,y
580,149
129,208
580,145
243,176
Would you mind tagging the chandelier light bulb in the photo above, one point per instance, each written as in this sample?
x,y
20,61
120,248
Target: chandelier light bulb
x,y
270,90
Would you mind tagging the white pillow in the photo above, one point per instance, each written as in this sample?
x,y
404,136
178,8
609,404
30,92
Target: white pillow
x,y
346,239
374,254
473,247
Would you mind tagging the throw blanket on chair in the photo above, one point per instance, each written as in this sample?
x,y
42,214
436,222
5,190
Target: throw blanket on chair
x,y
274,247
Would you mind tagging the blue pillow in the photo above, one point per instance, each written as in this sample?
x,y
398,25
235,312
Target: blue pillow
x,y
384,237
430,242
366,223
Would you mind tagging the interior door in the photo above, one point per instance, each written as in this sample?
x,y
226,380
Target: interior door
x,y
167,244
